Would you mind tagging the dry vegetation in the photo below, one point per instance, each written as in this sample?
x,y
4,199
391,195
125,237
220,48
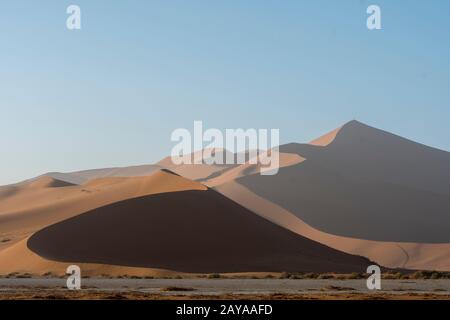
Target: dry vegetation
x,y
391,275
134,295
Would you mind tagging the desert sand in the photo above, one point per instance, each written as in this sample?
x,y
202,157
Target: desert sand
x,y
81,177
353,195
188,231
148,225
35,205
398,225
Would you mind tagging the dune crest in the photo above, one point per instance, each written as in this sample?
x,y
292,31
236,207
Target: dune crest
x,y
49,182
326,139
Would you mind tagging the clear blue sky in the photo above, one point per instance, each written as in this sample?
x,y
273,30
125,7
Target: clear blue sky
x,y
111,93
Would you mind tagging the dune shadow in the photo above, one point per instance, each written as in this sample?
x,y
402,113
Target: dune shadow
x,y
188,231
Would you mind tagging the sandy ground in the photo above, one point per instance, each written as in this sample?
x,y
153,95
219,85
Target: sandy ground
x,y
43,288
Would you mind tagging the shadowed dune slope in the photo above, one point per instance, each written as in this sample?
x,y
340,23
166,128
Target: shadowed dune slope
x,y
389,254
32,206
188,231
366,183
359,208
361,151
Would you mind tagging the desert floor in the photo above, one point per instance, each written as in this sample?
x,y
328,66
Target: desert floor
x,y
253,289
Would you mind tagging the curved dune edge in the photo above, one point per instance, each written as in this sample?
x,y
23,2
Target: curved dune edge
x,y
326,139
419,256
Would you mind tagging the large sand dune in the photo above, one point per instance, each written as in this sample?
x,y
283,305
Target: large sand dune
x,y
360,151
357,189
349,195
34,205
188,231
148,226
418,256
358,208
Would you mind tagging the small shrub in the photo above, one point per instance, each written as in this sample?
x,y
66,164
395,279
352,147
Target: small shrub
x,y
48,274
311,275
435,275
173,288
325,276
354,275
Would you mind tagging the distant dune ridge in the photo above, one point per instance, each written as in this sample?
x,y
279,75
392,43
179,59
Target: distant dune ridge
x,y
353,195
80,177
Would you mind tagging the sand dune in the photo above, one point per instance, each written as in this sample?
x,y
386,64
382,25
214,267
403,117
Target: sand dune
x,y
198,171
326,139
7,191
358,208
149,226
247,169
188,231
80,177
30,208
360,151
394,181
335,197
419,256
19,259
49,182
357,189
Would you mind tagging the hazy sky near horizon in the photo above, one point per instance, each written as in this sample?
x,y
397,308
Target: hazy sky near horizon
x,y
112,93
